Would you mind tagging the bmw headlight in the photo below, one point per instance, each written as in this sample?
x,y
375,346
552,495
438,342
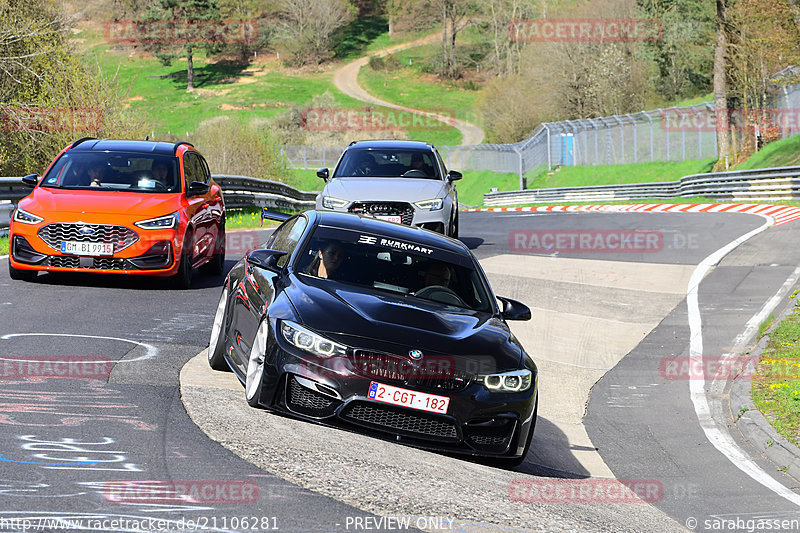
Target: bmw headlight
x,y
515,381
329,202
20,215
165,222
434,204
308,341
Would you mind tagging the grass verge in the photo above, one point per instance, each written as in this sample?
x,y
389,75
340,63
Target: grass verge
x,y
783,153
776,383
3,245
577,176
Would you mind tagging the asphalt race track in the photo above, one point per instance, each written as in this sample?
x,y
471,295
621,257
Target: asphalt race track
x,y
606,316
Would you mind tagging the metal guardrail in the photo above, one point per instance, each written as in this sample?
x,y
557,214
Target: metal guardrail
x,y
769,184
238,191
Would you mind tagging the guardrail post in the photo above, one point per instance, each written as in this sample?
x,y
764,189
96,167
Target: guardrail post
x,y
549,156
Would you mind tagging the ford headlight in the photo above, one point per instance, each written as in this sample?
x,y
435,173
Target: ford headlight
x,y
515,381
434,204
308,341
20,215
165,222
329,202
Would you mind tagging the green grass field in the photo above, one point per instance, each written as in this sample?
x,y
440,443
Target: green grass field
x,y
776,384
785,152
577,176
3,245
259,91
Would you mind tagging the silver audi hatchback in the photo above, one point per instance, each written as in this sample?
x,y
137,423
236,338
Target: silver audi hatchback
x,y
400,181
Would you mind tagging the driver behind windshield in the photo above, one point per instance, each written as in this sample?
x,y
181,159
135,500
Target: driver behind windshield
x,y
418,163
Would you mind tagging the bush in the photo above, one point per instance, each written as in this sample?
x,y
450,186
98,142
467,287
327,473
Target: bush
x,y
237,147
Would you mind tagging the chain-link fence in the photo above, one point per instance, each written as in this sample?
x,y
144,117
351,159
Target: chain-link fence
x,y
670,134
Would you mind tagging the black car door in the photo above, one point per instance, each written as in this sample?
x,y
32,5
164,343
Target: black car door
x,y
256,289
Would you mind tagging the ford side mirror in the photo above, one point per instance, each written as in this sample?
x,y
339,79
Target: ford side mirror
x,y
266,259
197,188
323,173
514,310
31,180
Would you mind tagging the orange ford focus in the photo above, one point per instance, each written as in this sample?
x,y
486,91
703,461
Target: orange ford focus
x,y
121,207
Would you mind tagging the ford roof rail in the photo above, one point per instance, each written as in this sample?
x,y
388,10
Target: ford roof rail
x,y
177,144
79,141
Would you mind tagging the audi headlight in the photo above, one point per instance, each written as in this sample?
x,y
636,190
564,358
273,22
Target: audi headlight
x,y
165,222
20,215
329,202
434,204
308,341
515,381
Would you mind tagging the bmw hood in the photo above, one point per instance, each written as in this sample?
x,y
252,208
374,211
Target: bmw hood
x,y
364,318
384,189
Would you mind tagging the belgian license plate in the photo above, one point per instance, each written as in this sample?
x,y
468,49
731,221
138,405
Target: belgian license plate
x,y
408,398
87,248
390,218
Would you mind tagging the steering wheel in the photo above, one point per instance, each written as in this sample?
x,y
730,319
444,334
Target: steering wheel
x,y
415,173
160,186
440,294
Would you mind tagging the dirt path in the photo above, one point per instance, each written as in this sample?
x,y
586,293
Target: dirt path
x,y
346,80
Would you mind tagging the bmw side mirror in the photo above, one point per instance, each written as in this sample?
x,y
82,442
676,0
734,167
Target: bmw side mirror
x,y
323,173
454,175
514,310
197,188
266,259
31,180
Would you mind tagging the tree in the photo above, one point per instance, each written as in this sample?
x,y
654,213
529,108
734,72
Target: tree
x,y
190,13
310,27
721,83
47,97
455,16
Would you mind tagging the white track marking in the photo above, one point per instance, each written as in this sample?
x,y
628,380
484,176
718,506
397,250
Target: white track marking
x,y
151,351
716,433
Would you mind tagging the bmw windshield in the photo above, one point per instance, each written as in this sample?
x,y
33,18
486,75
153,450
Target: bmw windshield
x,y
392,265
114,171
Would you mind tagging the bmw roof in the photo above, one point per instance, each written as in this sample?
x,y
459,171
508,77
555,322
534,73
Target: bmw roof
x,y
389,229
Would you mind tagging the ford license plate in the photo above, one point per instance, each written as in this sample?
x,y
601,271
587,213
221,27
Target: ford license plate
x,y
408,398
87,248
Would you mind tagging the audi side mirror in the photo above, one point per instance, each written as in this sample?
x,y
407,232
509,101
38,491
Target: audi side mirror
x,y
323,173
454,175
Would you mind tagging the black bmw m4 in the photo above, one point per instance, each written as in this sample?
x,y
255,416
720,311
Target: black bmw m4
x,y
361,323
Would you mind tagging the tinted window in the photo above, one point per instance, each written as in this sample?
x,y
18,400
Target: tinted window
x,y
388,163
118,171
286,238
189,169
